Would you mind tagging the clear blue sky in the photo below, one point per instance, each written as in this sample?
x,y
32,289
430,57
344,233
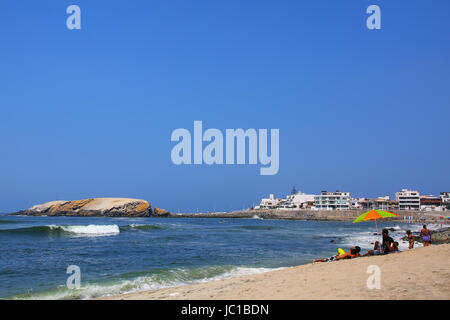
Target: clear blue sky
x,y
89,113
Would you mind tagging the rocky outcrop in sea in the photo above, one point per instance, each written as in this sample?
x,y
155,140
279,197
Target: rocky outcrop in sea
x,y
107,207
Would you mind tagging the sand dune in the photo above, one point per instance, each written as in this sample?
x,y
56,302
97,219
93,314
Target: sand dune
x,y
422,273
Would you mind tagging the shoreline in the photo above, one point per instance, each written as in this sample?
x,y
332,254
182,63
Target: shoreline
x,y
420,273
310,215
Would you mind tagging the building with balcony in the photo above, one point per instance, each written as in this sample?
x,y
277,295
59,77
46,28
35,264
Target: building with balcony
x,y
408,199
431,203
380,203
332,201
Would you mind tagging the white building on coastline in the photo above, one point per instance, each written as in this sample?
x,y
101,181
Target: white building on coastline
x,y
408,199
298,201
269,203
293,201
332,201
404,200
357,203
445,197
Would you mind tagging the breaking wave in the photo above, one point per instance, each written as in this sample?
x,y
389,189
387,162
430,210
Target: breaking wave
x,y
89,230
144,281
79,230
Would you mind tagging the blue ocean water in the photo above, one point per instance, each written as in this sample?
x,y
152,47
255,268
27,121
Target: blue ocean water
x,y
120,255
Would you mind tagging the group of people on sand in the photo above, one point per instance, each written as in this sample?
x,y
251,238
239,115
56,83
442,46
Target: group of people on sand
x,y
387,245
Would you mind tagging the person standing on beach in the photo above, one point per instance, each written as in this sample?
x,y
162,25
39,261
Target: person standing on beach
x,y
426,236
411,239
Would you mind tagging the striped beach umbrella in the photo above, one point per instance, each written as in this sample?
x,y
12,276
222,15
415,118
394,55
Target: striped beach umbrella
x,y
374,215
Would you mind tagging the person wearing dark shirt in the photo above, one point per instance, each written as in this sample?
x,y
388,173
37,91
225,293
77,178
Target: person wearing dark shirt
x,y
387,242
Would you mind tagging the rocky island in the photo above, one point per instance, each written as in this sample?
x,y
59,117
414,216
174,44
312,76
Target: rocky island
x,y
107,207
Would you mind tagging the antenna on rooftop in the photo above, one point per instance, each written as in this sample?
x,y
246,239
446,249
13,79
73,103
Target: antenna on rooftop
x,y
294,191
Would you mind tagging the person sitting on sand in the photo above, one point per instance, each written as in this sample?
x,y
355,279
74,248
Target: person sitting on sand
x,y
387,242
394,247
352,253
411,239
426,236
376,250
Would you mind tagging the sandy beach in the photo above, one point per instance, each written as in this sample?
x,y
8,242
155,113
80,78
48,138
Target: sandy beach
x,y
422,273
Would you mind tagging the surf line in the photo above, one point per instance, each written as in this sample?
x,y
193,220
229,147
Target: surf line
x,y
235,139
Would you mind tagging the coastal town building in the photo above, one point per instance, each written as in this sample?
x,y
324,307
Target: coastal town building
x,y
380,203
298,201
357,203
269,203
431,203
408,199
445,197
293,201
404,200
332,201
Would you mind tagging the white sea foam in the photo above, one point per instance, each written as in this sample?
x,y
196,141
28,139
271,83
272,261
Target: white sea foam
x,y
175,277
91,229
241,271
